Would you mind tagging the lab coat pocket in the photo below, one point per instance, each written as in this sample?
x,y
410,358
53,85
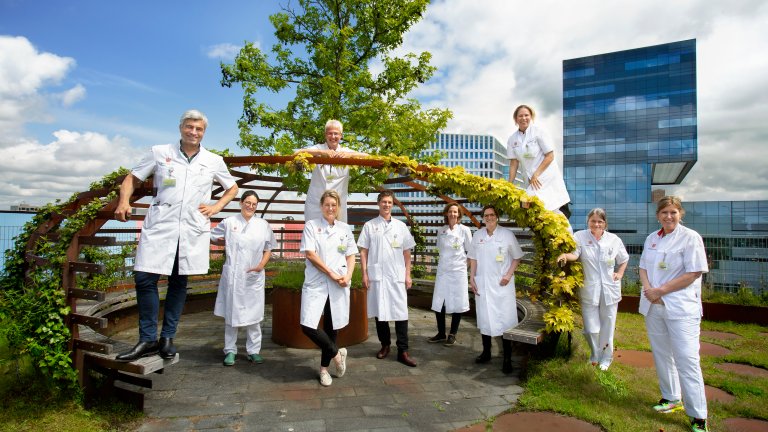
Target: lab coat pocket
x,y
400,274
197,221
374,272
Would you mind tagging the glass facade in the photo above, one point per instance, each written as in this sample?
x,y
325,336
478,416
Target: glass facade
x,y
630,123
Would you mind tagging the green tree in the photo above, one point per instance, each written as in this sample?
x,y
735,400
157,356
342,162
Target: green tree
x,y
325,53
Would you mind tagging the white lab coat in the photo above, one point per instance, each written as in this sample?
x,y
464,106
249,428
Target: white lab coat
x,y
666,257
332,244
451,286
529,149
599,260
496,305
240,299
386,242
173,216
325,177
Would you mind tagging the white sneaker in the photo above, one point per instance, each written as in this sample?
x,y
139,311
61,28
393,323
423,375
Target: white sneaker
x,y
325,379
341,366
604,366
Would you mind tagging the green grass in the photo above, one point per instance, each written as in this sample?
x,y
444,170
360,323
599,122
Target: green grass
x,y
35,409
620,399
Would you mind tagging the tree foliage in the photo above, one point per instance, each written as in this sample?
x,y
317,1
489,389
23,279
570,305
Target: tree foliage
x,y
325,54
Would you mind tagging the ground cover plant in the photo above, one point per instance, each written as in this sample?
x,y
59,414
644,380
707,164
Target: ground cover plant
x,y
620,398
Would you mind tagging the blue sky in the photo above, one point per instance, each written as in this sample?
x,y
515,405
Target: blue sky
x,y
87,86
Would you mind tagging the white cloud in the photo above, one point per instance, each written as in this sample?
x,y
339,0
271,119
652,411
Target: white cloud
x,y
72,96
223,51
40,173
494,55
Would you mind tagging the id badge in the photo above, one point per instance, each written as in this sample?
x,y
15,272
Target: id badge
x,y
169,182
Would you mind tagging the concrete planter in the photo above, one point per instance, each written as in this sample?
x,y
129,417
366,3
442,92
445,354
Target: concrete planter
x,y
286,313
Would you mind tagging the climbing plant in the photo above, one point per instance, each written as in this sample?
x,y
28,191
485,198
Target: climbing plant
x,y
33,301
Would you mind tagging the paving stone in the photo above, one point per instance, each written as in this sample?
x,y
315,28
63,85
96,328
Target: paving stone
x,y
447,391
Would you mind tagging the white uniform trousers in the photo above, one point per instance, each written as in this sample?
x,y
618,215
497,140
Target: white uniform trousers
x,y
675,345
600,323
252,341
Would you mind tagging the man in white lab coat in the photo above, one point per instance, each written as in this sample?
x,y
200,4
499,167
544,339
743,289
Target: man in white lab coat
x,y
385,258
328,177
175,236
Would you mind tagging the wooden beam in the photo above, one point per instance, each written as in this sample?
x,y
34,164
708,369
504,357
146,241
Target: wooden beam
x,y
92,322
97,241
85,267
87,294
101,348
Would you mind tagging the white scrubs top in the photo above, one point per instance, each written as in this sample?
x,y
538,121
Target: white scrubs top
x,y
173,216
333,244
529,149
666,257
496,305
386,243
240,299
451,285
599,259
325,177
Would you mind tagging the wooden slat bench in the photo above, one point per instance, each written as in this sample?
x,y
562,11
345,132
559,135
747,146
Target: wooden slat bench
x,y
530,327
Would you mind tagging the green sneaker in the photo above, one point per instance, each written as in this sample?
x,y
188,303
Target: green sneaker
x,y
699,425
255,358
229,359
667,406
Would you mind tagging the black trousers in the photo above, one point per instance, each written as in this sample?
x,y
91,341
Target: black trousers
x,y
455,320
401,331
506,345
325,338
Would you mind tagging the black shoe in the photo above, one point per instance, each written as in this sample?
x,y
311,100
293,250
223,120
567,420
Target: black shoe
x,y
142,349
507,366
483,358
436,338
167,350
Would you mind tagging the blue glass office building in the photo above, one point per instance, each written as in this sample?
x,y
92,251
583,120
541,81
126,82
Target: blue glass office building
x,y
629,125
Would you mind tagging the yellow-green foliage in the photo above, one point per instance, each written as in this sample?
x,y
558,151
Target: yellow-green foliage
x,y
556,287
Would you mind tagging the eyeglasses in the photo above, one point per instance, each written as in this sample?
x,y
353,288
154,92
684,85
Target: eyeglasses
x,y
490,215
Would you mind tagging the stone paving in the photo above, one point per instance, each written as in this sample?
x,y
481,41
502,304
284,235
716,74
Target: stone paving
x,y
445,392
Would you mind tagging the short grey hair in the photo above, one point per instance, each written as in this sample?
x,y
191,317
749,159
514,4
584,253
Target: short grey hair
x,y
597,211
193,115
334,124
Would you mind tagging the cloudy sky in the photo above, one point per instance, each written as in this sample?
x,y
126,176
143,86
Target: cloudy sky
x,y
87,86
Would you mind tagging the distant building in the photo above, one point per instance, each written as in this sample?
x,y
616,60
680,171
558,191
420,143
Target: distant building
x,y
24,207
630,124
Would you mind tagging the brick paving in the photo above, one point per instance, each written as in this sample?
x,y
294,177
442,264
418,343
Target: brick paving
x,y
446,391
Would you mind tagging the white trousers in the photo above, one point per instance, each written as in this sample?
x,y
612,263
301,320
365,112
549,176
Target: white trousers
x,y
252,341
675,345
599,324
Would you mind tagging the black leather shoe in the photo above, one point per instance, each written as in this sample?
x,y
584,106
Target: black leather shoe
x,y
506,367
142,349
483,358
167,350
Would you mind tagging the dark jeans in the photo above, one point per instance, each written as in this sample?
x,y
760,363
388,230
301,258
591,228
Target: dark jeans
x,y
455,320
148,301
325,338
401,332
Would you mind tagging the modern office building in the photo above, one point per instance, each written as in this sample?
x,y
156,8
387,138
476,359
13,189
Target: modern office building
x,y
481,155
629,127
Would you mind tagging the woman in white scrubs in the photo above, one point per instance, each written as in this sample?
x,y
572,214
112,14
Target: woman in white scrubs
x,y
493,257
240,299
451,294
330,249
671,266
531,149
604,260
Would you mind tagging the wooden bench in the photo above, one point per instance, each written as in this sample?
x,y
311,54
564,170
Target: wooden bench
x,y
529,329
97,352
